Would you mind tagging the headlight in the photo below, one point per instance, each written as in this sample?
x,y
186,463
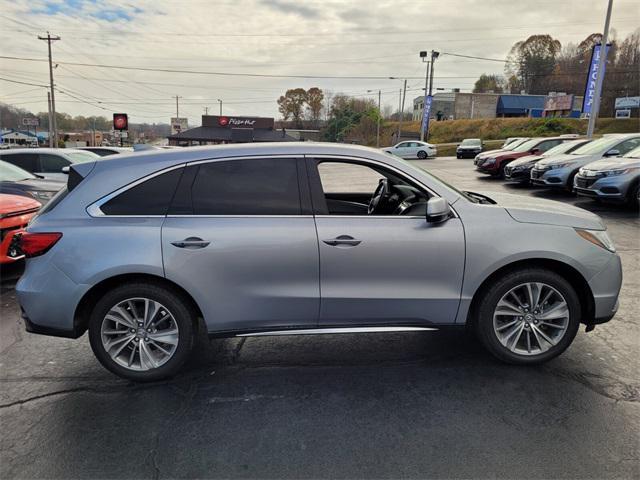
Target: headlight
x,y
489,161
42,195
556,166
597,237
623,171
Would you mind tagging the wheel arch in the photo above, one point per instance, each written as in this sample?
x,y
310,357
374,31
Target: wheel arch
x,y
88,300
569,273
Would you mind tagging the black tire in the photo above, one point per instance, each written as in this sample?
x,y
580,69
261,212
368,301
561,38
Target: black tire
x,y
569,186
422,155
483,314
458,156
180,309
633,199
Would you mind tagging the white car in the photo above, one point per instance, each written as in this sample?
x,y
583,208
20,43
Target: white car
x,y
50,163
413,149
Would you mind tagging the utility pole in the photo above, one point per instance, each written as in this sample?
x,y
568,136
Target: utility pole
x,y
177,108
50,119
206,111
52,122
404,94
595,109
220,102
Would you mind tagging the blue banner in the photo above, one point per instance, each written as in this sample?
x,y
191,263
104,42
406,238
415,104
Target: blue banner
x,y
590,90
426,113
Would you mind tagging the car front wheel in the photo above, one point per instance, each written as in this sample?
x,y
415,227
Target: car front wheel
x,y
141,332
528,316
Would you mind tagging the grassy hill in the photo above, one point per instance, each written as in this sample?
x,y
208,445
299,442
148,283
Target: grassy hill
x,y
501,128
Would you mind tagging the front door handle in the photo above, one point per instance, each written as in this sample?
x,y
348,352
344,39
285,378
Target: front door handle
x,y
191,243
346,240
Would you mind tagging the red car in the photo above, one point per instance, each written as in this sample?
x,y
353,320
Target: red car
x,y
494,164
15,213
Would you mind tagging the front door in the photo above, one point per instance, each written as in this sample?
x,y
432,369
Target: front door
x,y
387,266
241,239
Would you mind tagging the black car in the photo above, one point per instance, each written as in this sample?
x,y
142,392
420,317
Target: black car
x,y
469,147
16,181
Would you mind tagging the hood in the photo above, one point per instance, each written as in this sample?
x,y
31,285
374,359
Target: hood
x,y
566,157
613,163
525,209
46,184
469,147
492,153
510,154
525,160
15,203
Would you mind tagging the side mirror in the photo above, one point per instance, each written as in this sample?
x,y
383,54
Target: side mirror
x,y
535,151
65,169
612,153
437,210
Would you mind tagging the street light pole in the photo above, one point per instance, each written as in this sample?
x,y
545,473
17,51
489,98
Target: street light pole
x,y
423,55
220,102
595,109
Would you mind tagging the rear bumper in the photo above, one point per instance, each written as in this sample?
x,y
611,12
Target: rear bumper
x,y
31,327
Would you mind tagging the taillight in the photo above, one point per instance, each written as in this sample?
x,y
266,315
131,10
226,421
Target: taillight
x,y
33,244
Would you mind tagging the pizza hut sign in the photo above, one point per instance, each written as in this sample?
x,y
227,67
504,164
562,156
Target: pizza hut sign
x,y
236,122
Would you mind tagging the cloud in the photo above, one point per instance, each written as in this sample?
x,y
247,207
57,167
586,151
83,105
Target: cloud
x,y
289,7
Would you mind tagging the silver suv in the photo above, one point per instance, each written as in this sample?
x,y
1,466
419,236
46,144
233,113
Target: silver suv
x,y
302,238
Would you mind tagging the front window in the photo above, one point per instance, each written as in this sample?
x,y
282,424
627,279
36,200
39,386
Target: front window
x,y
11,173
52,163
564,148
471,142
633,153
526,146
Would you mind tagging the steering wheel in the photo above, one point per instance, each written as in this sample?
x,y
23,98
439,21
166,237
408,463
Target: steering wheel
x,y
380,196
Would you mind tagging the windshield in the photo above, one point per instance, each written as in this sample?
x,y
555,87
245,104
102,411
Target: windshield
x,y
516,143
80,157
563,148
528,145
597,146
11,173
470,142
635,153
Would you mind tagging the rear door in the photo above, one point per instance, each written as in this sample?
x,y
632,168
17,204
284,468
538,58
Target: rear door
x,y
51,166
26,161
241,238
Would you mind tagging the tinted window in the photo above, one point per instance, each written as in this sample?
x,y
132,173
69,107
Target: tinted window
x,y
546,145
246,187
52,163
26,161
151,197
11,173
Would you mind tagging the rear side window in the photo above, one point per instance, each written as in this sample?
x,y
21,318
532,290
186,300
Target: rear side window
x,y
240,187
26,161
53,163
151,197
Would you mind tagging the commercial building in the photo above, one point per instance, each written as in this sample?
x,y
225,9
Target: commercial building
x,y
218,129
456,105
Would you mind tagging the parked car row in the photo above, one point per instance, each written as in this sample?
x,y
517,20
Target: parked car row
x,y
605,168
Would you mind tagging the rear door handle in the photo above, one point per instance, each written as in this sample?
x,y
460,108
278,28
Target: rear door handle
x,y
346,240
191,243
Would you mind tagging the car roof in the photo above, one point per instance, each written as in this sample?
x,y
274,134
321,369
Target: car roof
x,y
41,150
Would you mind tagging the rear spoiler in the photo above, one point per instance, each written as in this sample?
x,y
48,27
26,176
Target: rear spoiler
x,y
78,172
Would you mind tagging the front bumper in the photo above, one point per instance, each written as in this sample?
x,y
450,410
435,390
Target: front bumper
x,y
609,188
605,287
557,178
513,174
467,153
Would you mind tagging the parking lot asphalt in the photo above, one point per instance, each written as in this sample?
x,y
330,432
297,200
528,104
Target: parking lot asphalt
x,y
411,405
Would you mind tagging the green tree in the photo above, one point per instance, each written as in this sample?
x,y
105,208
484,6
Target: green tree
x,y
314,101
489,84
533,61
291,105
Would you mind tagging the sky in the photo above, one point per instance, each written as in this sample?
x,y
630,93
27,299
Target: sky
x,y
249,52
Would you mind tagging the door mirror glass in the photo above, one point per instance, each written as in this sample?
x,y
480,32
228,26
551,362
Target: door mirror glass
x,y
612,153
65,169
437,210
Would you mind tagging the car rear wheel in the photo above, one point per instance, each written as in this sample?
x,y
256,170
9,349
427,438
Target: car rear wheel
x,y
422,154
528,316
142,332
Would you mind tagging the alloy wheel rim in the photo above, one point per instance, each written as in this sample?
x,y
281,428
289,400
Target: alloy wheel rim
x,y
531,318
139,334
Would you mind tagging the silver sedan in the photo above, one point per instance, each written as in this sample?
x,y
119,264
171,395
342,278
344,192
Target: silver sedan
x,y
146,250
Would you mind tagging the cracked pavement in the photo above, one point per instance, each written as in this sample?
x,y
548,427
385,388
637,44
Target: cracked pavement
x,y
411,405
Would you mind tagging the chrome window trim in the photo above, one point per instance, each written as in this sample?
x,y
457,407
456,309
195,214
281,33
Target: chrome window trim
x,y
238,216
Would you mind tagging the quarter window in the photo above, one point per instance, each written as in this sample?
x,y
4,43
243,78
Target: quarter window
x,y
267,186
151,197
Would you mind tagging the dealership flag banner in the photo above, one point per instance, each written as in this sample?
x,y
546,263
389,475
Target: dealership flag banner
x,y
426,113
590,91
